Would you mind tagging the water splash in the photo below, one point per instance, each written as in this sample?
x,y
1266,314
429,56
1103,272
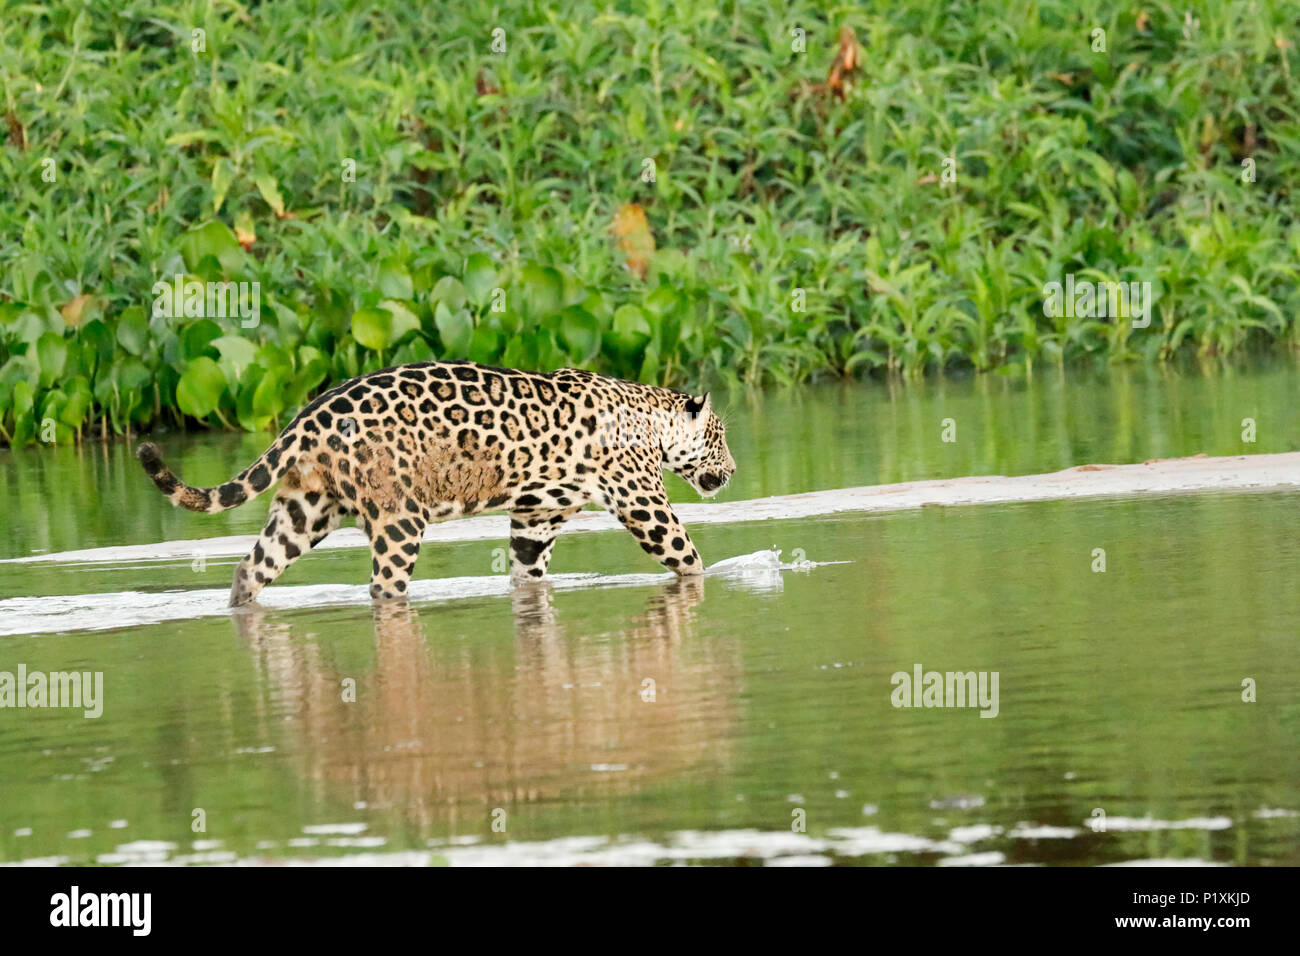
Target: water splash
x,y
62,613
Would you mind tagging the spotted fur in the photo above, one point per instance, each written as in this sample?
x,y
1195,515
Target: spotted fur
x,y
404,447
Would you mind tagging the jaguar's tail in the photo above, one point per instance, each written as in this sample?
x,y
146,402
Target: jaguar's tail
x,y
245,486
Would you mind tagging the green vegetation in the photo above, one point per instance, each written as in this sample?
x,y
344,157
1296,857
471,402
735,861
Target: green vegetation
x,y
478,171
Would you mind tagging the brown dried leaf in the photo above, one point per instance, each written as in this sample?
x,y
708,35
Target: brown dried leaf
x,y
848,49
245,231
483,83
635,240
847,61
75,312
17,135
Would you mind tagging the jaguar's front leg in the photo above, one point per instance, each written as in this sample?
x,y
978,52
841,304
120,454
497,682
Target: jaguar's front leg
x,y
532,538
650,518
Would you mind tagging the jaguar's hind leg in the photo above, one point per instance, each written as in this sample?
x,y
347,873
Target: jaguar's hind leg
x,y
298,520
394,546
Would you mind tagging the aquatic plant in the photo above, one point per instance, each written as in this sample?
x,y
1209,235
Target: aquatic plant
x,y
758,192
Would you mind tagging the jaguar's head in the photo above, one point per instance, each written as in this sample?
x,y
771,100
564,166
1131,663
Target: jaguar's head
x,y
699,450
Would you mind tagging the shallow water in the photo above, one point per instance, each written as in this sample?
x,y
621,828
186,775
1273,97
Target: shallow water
x,y
624,717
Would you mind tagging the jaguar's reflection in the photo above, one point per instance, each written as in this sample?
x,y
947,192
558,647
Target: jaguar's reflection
x,y
444,717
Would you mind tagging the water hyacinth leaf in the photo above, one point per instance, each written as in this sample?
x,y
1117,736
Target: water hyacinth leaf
x,y
416,350
133,374
236,355
423,276
372,327
1064,188
456,330
480,278
346,363
630,328
198,339
19,368
96,337
24,422
310,374
650,365
133,330
26,328
662,301
663,305
668,264
32,282
75,364
268,396
215,239
78,405
394,280
520,351
543,291
200,388
248,419
273,356
581,333
383,326
485,346
52,402
449,291
404,320
51,353
79,359
50,421
550,353
575,291
597,305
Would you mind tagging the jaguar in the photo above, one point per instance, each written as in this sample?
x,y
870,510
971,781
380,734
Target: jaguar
x,y
401,448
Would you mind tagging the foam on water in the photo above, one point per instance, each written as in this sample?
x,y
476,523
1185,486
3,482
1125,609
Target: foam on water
x,y
964,845
771,847
61,613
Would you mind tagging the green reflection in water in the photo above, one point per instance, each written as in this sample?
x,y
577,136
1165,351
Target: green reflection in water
x,y
1118,690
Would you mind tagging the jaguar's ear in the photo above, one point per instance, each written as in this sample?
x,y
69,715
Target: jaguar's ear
x,y
697,406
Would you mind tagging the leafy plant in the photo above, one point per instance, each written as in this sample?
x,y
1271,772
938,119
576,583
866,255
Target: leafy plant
x,y
672,195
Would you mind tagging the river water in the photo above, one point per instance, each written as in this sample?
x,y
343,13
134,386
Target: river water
x,y
620,716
